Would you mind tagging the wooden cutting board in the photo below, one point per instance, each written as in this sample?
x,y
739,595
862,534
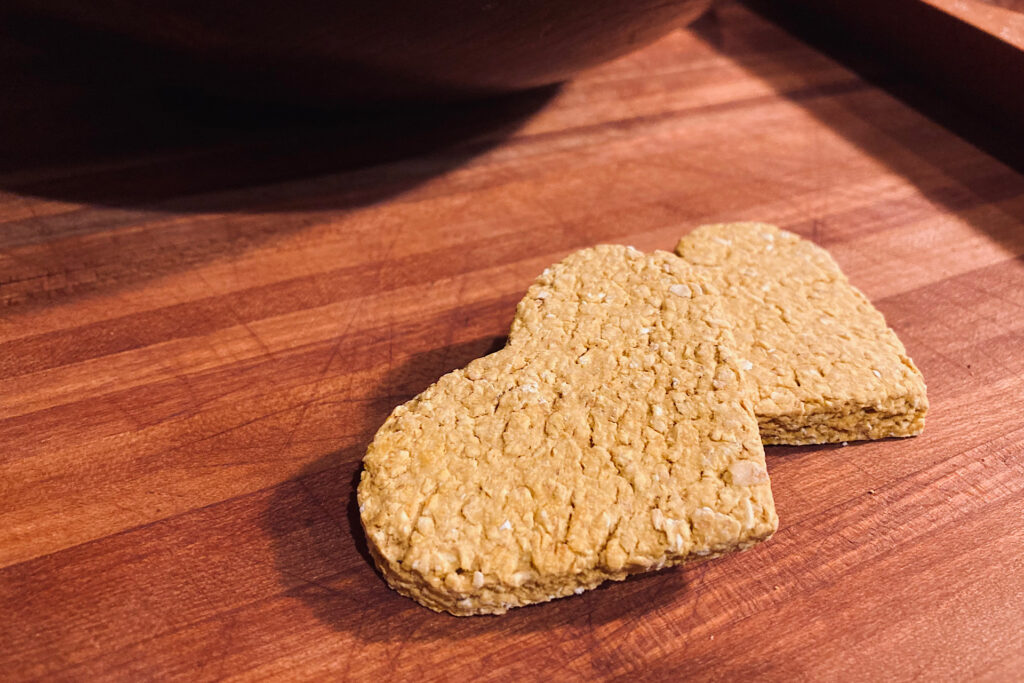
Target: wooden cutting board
x,y
200,332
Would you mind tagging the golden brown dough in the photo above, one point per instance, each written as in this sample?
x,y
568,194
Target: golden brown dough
x,y
613,434
826,366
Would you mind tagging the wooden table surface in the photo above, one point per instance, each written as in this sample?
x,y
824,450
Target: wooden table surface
x,y
200,334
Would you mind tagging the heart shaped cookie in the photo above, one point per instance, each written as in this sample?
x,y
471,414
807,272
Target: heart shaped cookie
x,y
825,365
613,434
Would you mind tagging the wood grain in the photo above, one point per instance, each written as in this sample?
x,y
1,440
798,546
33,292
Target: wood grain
x,y
199,337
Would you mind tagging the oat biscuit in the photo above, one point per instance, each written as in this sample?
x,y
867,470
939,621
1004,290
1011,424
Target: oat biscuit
x,y
612,435
826,365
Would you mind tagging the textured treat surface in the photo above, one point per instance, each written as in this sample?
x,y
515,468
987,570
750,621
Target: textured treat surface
x,y
613,434
826,366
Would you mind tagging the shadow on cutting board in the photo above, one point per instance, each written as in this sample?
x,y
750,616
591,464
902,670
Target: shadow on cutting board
x,y
136,162
77,128
322,558
148,171
913,133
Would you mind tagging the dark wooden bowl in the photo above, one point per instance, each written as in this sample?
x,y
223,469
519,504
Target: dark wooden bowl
x,y
332,51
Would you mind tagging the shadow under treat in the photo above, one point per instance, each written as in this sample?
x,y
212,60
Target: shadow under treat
x,y
323,560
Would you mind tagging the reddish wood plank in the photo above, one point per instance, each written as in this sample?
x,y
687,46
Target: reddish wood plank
x,y
190,374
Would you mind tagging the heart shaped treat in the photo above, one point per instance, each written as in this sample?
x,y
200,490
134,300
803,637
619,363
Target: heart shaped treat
x,y
825,365
613,434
